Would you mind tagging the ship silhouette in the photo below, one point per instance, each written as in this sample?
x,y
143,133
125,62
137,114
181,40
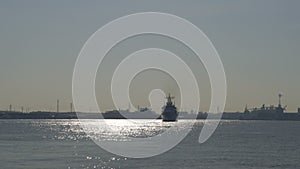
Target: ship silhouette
x,y
265,112
169,113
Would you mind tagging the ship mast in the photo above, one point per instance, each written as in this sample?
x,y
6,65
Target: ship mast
x,y
169,98
279,99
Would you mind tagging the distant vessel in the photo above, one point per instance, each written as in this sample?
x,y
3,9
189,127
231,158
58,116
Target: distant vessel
x,y
265,112
169,113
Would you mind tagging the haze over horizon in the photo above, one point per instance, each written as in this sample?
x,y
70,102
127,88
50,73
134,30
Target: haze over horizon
x,y
257,42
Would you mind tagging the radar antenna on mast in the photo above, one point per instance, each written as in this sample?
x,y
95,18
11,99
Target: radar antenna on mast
x,y
279,98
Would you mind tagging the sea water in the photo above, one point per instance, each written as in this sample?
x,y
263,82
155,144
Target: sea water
x,y
57,144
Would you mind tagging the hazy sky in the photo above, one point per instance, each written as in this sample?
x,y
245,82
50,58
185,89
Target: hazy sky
x,y
258,42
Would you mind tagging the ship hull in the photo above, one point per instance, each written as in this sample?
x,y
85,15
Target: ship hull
x,y
169,117
168,120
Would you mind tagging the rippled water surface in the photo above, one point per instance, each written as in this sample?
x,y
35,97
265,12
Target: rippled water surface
x,y
63,144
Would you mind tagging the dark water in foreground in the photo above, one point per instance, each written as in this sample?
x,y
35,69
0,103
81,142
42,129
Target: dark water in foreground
x,y
235,145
